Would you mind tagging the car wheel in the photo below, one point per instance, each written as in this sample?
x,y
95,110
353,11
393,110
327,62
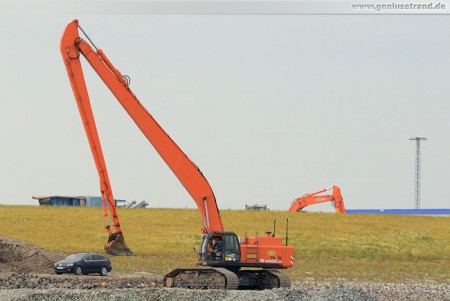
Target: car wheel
x,y
78,270
104,271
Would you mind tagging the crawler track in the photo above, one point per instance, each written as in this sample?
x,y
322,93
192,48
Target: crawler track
x,y
202,278
284,280
221,278
262,279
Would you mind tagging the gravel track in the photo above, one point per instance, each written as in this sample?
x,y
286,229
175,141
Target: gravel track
x,y
88,288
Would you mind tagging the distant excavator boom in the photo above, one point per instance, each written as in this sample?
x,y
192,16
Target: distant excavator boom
x,y
315,198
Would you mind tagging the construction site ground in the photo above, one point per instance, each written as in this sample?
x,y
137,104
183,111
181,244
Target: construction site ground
x,y
26,273
24,265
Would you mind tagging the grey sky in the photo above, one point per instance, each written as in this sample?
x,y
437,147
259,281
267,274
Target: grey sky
x,y
269,107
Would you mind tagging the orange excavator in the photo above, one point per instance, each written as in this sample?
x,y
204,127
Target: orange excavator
x,y
226,261
314,198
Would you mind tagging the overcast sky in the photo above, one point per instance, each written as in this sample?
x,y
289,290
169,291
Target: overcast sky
x,y
270,107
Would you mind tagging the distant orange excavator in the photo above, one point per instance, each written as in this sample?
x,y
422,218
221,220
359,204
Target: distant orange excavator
x,y
314,198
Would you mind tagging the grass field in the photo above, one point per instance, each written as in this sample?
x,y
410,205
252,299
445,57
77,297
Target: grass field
x,y
334,247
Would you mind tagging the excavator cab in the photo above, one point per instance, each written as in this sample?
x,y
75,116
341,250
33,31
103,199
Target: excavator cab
x,y
219,248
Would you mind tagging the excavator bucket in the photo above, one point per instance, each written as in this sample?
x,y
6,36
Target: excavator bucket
x,y
116,245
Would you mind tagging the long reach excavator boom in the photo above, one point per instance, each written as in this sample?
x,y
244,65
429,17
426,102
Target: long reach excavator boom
x,y
188,173
223,252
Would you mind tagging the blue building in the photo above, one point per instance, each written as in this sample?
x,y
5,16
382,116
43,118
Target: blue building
x,y
83,201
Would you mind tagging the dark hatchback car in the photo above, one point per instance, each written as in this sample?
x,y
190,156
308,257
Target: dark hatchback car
x,y
83,264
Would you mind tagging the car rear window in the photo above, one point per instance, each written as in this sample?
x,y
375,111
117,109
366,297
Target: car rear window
x,y
98,257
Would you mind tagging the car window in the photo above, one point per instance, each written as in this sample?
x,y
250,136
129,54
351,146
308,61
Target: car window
x,y
98,257
88,258
75,257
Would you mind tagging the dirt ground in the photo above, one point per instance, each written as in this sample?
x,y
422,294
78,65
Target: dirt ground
x,y
20,257
27,266
26,273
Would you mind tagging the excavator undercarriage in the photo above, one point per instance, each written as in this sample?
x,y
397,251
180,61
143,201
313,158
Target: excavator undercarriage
x,y
221,278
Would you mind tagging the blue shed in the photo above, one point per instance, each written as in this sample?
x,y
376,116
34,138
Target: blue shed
x,y
73,201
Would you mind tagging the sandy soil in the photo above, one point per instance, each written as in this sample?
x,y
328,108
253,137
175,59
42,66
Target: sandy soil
x,y
20,257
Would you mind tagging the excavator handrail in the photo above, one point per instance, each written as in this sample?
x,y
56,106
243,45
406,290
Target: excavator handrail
x,y
185,170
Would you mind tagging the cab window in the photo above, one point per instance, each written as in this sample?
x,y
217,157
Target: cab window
x,y
231,250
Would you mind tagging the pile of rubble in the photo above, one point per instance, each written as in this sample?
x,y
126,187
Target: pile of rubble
x,y
20,257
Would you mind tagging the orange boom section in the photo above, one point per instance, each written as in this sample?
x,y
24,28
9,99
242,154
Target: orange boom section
x,y
71,47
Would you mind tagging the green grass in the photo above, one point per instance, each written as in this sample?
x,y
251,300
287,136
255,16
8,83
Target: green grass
x,y
388,248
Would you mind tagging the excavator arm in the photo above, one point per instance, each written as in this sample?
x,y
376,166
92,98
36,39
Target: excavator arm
x,y
186,171
313,198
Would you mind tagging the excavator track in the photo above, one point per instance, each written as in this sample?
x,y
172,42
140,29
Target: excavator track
x,y
262,279
232,278
284,280
202,278
221,278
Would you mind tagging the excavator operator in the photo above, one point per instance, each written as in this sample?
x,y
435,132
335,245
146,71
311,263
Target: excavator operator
x,y
217,249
